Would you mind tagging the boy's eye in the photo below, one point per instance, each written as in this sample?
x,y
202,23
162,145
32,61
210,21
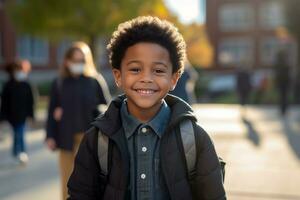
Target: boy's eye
x,y
135,69
159,71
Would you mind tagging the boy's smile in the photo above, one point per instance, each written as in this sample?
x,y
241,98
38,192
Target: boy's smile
x,y
146,77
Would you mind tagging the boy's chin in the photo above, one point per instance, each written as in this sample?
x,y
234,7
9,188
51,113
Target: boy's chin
x,y
145,104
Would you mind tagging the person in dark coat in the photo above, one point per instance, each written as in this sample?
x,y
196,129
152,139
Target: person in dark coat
x,y
145,154
282,80
243,85
74,102
17,104
186,84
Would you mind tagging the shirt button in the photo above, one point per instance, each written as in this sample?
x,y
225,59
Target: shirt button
x,y
144,130
144,149
143,176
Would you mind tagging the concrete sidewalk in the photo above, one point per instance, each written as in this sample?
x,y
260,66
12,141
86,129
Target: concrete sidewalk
x,y
262,152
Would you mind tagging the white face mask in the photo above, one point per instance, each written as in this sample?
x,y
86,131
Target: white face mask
x,y
76,68
20,75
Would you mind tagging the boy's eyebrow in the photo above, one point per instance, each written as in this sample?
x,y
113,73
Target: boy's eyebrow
x,y
133,61
155,62
160,63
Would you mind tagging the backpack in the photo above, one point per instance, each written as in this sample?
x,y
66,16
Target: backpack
x,y
188,141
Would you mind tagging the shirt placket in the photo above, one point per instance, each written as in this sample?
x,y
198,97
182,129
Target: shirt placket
x,y
143,163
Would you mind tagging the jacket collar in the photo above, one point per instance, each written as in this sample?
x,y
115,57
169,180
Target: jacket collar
x,y
158,123
110,122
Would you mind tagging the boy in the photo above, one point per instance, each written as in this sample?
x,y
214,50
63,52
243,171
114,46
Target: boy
x,y
145,153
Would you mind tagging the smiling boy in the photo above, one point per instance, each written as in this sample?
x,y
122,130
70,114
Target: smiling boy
x,y
145,153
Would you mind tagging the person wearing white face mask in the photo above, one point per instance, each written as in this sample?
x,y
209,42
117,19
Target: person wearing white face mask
x,y
74,101
17,104
20,76
77,68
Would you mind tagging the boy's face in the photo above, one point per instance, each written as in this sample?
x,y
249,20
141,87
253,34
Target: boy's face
x,y
145,77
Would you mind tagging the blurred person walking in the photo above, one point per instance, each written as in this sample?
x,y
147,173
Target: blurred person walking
x,y
74,102
261,88
282,80
185,87
17,105
243,87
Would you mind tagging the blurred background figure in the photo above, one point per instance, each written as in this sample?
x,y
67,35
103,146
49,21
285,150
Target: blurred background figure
x,y
282,80
296,91
74,102
243,85
185,88
262,88
17,104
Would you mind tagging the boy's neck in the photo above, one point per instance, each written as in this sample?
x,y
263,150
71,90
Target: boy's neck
x,y
143,115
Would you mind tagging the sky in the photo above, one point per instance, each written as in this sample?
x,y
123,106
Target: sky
x,y
188,10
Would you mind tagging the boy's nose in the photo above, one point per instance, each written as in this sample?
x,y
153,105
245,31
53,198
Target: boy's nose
x,y
147,77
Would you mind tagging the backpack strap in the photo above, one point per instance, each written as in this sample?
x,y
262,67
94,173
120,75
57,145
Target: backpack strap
x,y
188,141
103,152
189,145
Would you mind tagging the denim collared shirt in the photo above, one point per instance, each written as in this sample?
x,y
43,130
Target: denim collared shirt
x,y
146,181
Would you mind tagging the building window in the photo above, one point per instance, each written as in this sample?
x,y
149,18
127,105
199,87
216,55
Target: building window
x,y
236,17
34,49
61,50
271,15
270,46
236,51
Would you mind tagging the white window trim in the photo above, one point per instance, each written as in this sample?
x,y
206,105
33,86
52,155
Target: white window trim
x,y
226,59
31,51
232,26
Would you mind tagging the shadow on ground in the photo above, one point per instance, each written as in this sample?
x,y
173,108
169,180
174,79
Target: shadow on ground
x,y
292,135
252,134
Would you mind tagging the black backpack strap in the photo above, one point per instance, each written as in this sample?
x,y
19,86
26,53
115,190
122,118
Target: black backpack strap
x,y
222,163
103,152
189,145
188,141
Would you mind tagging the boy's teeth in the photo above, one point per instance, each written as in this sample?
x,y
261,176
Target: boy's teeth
x,y
145,91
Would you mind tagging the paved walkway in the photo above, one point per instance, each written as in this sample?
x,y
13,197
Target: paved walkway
x,y
262,152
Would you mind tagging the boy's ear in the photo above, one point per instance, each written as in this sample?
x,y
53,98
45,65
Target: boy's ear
x,y
117,76
175,77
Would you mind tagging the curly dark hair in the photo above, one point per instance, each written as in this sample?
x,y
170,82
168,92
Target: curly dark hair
x,y
147,29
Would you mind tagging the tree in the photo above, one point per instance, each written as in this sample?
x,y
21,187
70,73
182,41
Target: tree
x,y
199,50
80,19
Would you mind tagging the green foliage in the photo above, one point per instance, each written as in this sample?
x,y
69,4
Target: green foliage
x,y
44,88
72,18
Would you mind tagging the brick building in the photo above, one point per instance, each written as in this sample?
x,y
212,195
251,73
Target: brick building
x,y
247,32
44,56
39,51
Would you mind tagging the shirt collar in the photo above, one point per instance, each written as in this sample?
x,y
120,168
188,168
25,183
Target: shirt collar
x,y
158,123
130,123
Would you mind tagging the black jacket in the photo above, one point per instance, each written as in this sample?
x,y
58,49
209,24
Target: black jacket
x,y
17,102
79,98
86,182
